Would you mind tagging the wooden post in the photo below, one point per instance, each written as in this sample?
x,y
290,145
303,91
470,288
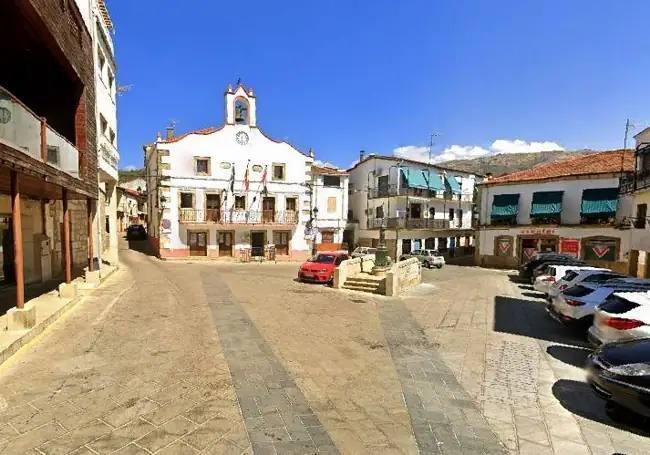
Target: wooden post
x,y
44,139
67,253
89,210
18,239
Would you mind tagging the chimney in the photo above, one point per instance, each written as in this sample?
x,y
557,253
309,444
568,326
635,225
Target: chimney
x,y
362,155
170,132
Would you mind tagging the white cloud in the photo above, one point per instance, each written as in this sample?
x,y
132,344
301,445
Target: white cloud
x,y
325,164
463,152
130,167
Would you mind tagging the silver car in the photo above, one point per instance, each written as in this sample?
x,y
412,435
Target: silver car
x,y
428,258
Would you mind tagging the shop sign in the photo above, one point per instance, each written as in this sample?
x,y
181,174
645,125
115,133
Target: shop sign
x,y
570,247
538,231
601,249
530,253
504,246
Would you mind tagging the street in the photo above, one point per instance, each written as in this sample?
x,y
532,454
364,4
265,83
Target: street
x,y
205,357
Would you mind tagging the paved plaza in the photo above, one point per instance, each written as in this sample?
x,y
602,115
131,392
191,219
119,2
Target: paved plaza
x,y
221,358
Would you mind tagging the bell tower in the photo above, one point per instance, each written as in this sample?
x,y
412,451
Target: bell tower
x,y
240,106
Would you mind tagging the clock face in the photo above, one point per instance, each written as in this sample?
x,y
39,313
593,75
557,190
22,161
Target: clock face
x,y
241,138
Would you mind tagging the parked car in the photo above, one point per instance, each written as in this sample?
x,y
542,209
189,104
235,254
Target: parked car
x,y
542,269
624,316
428,258
620,373
361,251
526,270
574,277
320,268
578,304
553,274
136,232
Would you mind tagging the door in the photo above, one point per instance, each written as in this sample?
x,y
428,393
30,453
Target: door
x,y
348,239
225,243
327,237
198,243
406,246
268,210
281,241
7,274
212,208
257,243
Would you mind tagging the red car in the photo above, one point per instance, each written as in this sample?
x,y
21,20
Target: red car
x,y
320,268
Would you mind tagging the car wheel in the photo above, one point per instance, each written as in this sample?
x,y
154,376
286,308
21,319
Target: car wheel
x,y
439,266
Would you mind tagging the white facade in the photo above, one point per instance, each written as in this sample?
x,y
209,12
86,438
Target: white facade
x,y
98,22
329,205
439,219
196,207
604,242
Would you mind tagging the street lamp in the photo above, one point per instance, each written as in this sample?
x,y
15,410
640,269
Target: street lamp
x,y
382,263
313,230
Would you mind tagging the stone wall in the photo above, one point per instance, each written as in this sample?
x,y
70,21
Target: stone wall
x,y
78,235
403,276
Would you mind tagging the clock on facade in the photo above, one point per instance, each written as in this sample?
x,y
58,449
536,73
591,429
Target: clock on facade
x,y
241,138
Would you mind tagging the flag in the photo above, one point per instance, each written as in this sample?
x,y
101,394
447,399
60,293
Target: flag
x,y
232,180
246,182
264,191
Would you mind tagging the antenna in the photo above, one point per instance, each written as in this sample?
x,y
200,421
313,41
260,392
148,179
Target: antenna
x,y
628,127
434,134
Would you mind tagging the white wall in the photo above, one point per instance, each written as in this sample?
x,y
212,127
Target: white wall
x,y
571,201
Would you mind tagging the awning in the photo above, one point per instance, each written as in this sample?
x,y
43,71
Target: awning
x,y
436,182
453,184
546,203
415,178
505,205
599,201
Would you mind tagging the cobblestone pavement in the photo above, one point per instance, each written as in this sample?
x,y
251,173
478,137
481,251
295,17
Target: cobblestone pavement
x,y
205,358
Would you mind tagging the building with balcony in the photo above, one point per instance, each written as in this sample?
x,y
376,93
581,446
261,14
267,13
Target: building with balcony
x,y
571,206
421,205
131,208
329,196
100,26
233,191
48,163
637,185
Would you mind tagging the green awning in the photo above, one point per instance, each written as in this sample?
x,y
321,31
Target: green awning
x,y
505,205
436,182
599,201
546,203
453,184
415,178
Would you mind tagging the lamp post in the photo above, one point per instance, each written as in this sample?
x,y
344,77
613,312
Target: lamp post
x,y
382,263
314,230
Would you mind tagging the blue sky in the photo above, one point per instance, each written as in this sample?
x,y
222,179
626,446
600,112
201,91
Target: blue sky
x,y
381,75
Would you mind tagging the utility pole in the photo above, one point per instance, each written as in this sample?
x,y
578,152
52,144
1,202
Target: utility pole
x,y
628,127
431,145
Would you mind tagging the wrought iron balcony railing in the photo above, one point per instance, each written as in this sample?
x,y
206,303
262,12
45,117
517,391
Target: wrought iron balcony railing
x,y
234,216
408,223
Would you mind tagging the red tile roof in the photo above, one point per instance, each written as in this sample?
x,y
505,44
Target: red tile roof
x,y
610,162
203,131
324,170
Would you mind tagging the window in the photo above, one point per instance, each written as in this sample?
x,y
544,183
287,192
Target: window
x,y
278,172
641,213
451,214
102,61
53,155
111,135
415,211
103,125
111,80
107,225
240,202
187,200
201,166
331,205
281,242
432,212
327,237
291,204
379,212
331,180
460,218
383,186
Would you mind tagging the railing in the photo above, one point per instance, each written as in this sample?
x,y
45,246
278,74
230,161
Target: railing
x,y
394,190
408,223
219,216
27,132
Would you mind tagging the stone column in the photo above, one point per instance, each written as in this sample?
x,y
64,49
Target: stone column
x,y
67,253
16,222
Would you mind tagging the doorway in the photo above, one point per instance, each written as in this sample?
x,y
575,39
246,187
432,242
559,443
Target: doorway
x,y
198,241
268,210
225,243
406,246
258,239
7,274
212,208
281,241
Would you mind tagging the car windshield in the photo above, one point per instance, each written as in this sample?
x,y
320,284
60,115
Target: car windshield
x,y
571,274
323,258
578,291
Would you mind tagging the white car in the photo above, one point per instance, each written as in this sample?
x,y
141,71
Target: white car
x,y
578,304
555,273
361,251
574,276
624,316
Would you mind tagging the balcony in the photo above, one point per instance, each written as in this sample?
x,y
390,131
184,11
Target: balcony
x,y
408,223
23,130
109,158
217,216
394,190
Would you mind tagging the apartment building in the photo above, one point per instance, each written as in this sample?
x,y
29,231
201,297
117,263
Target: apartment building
x,y
233,191
572,206
421,205
637,185
329,194
48,159
100,27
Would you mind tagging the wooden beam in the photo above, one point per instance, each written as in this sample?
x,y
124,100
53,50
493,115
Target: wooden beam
x,y
67,247
91,255
16,221
44,139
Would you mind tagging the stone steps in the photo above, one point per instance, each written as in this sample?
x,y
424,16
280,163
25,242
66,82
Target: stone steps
x,y
372,285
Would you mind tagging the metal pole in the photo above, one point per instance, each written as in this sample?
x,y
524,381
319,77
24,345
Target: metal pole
x,y
89,213
67,253
18,240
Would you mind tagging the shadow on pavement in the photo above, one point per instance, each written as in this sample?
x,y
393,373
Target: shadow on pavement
x,y
515,278
528,318
141,246
533,295
578,398
570,355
